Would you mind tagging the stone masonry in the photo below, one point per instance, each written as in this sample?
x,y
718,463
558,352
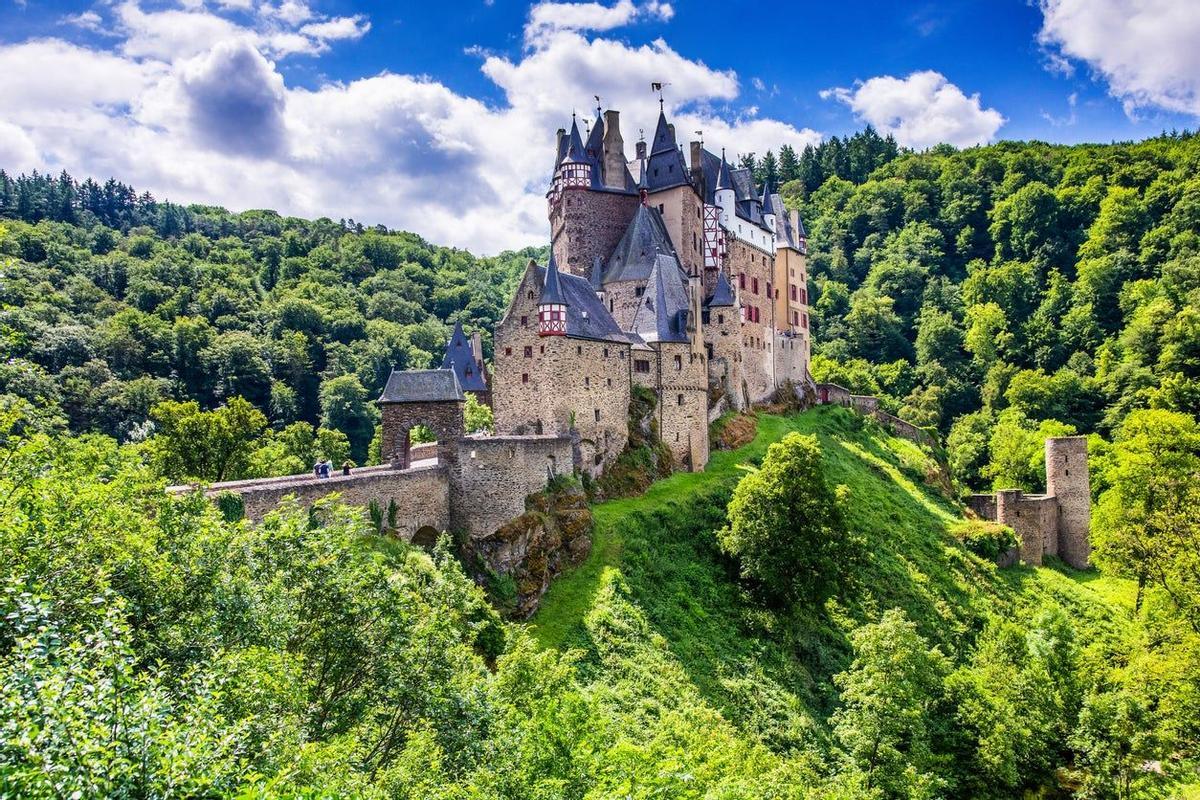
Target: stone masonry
x,y
1056,523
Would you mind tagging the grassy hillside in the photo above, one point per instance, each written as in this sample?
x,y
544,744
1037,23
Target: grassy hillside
x,y
768,671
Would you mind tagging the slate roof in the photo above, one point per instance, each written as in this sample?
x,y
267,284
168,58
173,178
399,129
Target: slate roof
x,y
665,168
644,239
767,201
422,386
460,358
661,315
587,317
722,292
551,286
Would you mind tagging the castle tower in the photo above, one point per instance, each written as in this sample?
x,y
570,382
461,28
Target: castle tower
x,y
1067,480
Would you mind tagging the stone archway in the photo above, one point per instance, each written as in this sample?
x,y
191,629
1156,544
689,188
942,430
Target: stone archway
x,y
431,398
426,537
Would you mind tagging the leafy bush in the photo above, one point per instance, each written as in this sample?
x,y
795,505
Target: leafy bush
x,y
985,539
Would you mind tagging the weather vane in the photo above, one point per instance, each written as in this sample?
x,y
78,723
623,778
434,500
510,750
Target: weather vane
x,y
657,86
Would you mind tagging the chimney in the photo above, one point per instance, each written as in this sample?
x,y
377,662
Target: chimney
x,y
614,151
671,130
697,166
559,135
477,347
641,149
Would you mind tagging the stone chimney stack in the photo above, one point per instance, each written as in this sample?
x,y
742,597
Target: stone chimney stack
x,y
697,167
559,135
671,128
614,151
640,147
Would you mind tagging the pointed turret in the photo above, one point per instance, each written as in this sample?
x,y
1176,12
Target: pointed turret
x,y
768,208
664,135
575,169
725,195
723,293
552,305
461,357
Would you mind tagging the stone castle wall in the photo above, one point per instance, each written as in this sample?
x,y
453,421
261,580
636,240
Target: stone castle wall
x,y
585,225
543,383
723,339
683,216
1057,522
494,475
422,494
683,403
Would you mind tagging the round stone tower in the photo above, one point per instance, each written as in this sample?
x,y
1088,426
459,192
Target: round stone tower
x,y
1067,481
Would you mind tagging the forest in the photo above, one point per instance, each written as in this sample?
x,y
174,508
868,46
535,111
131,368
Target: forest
x,y
811,617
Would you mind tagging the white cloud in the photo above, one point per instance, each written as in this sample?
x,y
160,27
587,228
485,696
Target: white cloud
x,y
547,18
192,107
1144,49
921,110
338,28
88,20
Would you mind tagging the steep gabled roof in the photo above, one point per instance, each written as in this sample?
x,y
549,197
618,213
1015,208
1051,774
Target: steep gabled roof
x,y
587,317
661,314
460,358
551,286
644,239
767,201
575,151
722,292
665,169
664,136
422,386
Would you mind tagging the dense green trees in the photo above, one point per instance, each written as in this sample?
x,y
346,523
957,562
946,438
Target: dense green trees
x,y
112,303
1058,283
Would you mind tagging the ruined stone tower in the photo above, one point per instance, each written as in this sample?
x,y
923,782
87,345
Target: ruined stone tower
x,y
1068,482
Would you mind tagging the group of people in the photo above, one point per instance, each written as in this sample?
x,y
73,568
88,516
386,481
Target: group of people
x,y
323,467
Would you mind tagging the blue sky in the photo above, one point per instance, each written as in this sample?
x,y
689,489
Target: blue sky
x,y
437,117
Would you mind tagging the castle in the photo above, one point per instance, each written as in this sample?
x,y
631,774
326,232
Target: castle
x,y
673,273
670,275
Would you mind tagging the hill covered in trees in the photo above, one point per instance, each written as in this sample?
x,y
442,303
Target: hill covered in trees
x,y
1002,290
112,302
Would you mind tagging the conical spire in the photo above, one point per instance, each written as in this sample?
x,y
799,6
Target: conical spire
x,y
768,207
574,143
552,288
664,136
724,178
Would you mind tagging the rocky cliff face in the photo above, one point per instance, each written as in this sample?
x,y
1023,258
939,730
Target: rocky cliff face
x,y
555,532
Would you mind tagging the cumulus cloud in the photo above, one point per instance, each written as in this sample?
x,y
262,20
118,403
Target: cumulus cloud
x,y
921,110
547,18
1144,49
235,100
191,106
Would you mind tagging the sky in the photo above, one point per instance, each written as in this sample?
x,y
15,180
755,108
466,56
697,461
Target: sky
x,y
439,117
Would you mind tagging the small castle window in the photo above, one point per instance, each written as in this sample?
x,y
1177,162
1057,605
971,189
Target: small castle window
x,y
468,370
610,381
528,351
508,351
587,383
530,294
606,352
621,354
680,400
641,365
597,459
578,350
678,363
541,349
720,318
597,411
524,377
639,291
677,436
524,322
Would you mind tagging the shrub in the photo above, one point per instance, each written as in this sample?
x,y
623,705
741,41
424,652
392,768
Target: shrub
x,y
985,539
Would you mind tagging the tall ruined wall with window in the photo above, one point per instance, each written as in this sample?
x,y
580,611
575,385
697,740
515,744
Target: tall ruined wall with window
x,y
683,403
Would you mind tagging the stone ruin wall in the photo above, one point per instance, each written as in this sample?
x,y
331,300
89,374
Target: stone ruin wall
x,y
683,426
1034,518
